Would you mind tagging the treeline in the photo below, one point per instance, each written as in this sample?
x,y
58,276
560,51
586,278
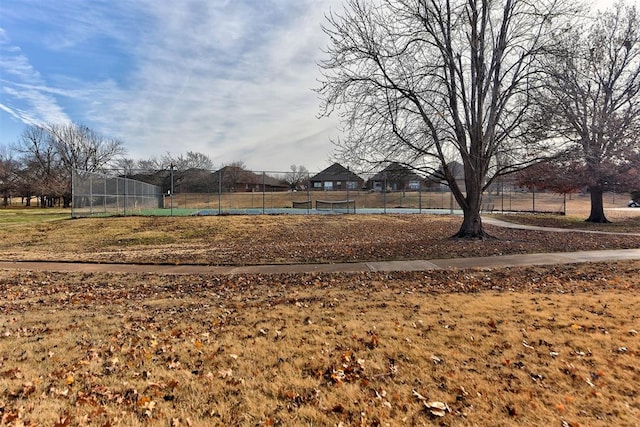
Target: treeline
x,y
41,162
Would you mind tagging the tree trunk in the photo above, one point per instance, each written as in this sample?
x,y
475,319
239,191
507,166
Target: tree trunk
x,y
472,222
597,206
471,226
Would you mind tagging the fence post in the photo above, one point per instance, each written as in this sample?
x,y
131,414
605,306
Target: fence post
x,y
450,201
510,198
91,195
171,195
347,184
534,199
118,195
263,192
502,193
104,197
220,191
72,193
308,193
126,193
384,193
124,209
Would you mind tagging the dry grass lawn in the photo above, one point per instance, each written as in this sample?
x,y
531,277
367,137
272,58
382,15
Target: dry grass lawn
x,y
531,346
244,240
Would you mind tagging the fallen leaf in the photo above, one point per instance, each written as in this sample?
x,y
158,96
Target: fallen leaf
x,y
224,373
439,409
62,422
418,395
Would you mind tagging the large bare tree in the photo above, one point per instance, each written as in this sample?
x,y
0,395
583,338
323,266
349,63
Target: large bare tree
x,y
52,152
427,82
592,99
41,171
82,149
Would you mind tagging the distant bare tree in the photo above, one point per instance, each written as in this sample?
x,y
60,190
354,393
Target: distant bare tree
x,y
190,160
233,174
42,172
592,99
8,174
126,165
428,82
297,178
150,165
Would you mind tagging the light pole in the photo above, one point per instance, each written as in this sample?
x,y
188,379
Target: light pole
x,y
171,191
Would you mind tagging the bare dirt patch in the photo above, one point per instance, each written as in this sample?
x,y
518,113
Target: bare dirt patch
x,y
527,346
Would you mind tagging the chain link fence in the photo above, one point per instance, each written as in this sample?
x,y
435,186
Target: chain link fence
x,y
233,190
98,194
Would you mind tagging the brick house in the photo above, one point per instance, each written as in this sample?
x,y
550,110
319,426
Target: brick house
x,y
336,177
396,177
234,179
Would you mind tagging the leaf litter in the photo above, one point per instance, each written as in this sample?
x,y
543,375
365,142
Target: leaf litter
x,y
533,345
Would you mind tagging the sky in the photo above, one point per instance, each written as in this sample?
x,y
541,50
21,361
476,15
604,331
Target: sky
x,y
232,79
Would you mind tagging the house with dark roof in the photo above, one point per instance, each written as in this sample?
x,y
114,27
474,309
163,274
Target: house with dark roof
x,y
437,182
336,177
396,177
232,179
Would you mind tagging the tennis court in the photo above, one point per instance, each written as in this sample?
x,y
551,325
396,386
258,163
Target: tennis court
x,y
100,195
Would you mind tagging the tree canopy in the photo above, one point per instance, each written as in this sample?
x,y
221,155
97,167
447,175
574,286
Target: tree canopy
x,y
591,98
427,82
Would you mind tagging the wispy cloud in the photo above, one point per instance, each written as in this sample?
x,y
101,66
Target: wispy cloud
x,y
232,79
23,85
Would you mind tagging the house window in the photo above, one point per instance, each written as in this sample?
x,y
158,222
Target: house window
x,y
317,184
328,185
352,185
414,185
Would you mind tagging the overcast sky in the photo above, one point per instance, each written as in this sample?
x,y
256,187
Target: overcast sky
x,y
229,78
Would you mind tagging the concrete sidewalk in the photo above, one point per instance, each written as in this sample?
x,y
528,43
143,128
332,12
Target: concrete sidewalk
x,y
505,224
383,266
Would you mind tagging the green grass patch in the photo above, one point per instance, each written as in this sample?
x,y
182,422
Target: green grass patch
x,y
32,215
